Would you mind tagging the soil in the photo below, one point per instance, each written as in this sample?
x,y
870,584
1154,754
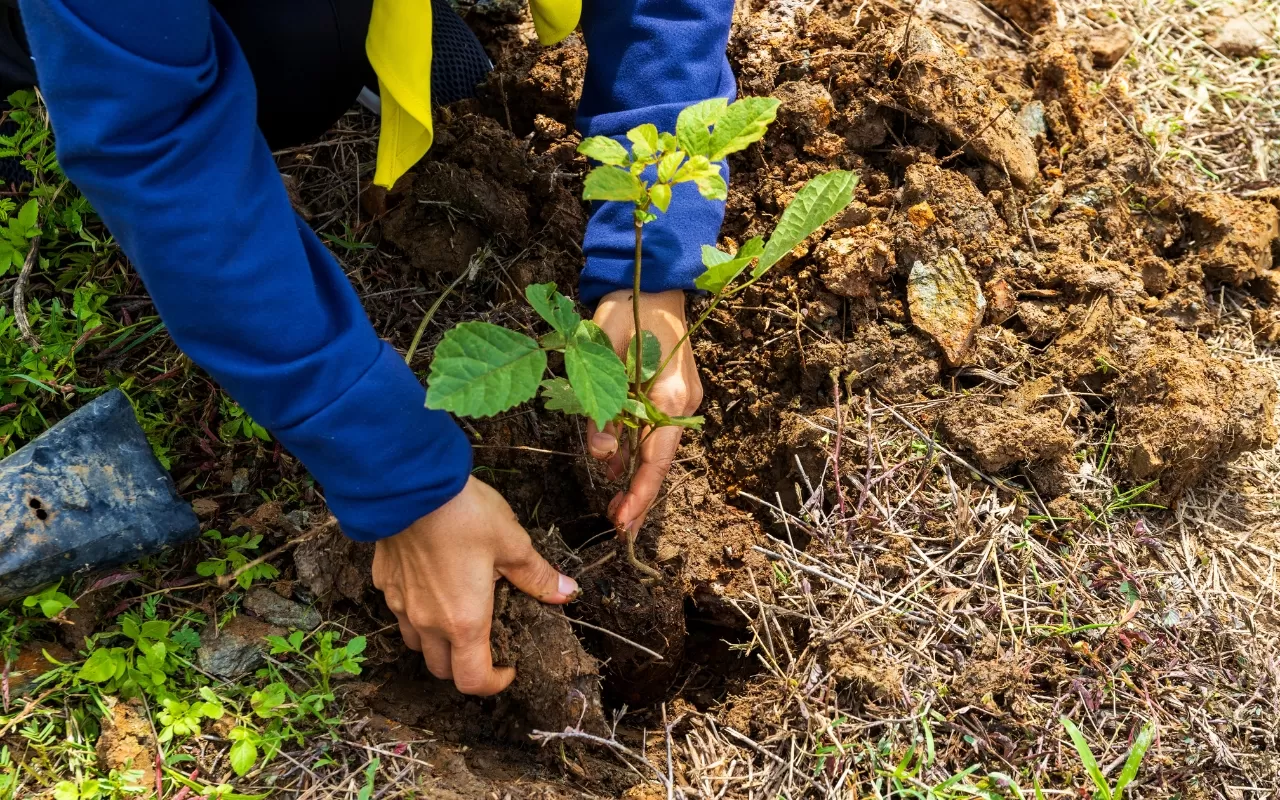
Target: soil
x,y
128,742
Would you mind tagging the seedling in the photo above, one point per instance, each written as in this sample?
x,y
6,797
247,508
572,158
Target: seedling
x,y
1103,790
480,369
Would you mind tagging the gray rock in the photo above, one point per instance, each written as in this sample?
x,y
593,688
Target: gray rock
x,y
1243,36
267,605
1031,118
237,649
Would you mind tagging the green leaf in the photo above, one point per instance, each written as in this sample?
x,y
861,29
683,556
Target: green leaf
x,y
706,175
1130,770
593,332
99,667
558,395
555,340
669,165
243,755
692,423
692,125
604,150
650,351
667,142
553,307
598,378
660,196
722,268
636,409
27,217
480,369
644,141
612,183
356,646
1086,758
741,124
818,201
66,790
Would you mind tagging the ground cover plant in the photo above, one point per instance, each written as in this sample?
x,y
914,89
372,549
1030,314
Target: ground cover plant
x,y
898,553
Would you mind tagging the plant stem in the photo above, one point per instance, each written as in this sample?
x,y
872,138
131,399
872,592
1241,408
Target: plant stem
x,y
637,383
431,312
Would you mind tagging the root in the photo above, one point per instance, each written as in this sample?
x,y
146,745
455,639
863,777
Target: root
x,y
635,561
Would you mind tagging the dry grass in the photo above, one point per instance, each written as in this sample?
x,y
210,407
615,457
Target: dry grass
x,y
1215,117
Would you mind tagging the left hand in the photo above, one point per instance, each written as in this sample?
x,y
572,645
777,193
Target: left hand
x,y
677,391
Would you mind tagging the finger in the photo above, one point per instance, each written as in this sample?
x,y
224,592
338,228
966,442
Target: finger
x,y
438,655
473,670
602,444
534,575
617,465
409,633
656,455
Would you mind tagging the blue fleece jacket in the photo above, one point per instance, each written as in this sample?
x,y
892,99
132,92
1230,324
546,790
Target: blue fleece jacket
x,y
153,109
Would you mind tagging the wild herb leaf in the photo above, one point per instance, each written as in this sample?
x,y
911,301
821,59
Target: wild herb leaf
x,y
741,124
660,196
1141,743
558,395
612,183
650,351
669,165
593,332
644,141
553,307
692,125
604,150
706,175
480,369
818,201
243,755
598,378
723,268
1087,759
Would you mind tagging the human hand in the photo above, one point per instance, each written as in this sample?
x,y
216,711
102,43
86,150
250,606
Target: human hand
x,y
438,576
677,391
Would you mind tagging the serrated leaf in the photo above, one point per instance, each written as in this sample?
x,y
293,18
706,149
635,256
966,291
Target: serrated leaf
x,y
644,140
817,201
660,196
243,755
553,307
558,394
604,150
667,141
593,332
480,369
598,378
612,183
692,125
669,165
636,409
650,351
706,175
741,124
723,268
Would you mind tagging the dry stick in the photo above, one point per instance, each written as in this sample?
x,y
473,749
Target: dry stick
x,y
749,742
431,312
19,299
617,636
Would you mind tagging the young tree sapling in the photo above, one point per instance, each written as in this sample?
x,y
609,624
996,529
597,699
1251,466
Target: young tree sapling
x,y
480,369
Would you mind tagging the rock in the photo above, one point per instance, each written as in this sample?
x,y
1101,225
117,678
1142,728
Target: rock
x,y
1243,36
271,607
1232,238
852,265
204,507
239,648
1031,118
948,93
946,302
1109,45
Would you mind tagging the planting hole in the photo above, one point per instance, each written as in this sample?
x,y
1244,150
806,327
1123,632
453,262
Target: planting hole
x,y
34,502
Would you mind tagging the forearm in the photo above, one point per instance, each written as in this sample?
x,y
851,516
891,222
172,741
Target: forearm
x,y
157,127
649,59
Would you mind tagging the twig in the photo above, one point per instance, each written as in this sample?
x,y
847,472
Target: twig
x,y
230,578
617,636
542,737
19,296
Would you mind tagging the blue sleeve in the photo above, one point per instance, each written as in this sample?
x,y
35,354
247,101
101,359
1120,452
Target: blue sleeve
x,y
647,60
154,114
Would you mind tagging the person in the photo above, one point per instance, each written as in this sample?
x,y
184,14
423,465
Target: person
x,y
164,114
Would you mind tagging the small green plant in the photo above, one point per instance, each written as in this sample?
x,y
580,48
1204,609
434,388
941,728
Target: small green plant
x,y
50,601
236,553
480,369
116,786
239,425
328,659
1103,790
182,718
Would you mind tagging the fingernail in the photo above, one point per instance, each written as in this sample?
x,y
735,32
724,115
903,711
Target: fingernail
x,y
603,443
568,586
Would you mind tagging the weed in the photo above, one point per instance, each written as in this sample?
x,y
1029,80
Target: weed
x,y
51,601
1103,790
480,369
236,553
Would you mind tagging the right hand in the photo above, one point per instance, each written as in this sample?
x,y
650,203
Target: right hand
x,y
438,575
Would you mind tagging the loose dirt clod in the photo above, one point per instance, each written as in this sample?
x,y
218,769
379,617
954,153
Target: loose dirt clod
x,y
127,741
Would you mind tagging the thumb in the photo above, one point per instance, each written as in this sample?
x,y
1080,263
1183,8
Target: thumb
x,y
534,575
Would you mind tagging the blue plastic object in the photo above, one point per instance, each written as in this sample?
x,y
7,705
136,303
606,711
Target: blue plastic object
x,y
86,494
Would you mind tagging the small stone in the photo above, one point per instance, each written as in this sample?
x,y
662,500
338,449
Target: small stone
x,y
271,607
204,507
921,216
1243,36
238,649
1031,118
240,480
946,302
1109,45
